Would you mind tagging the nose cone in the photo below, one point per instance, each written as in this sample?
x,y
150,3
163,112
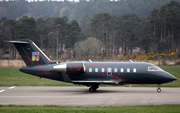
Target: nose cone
x,y
171,77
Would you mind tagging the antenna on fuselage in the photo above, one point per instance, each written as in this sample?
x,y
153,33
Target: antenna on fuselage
x,y
130,60
90,60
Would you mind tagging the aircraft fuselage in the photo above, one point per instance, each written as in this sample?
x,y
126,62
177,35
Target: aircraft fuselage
x,y
88,73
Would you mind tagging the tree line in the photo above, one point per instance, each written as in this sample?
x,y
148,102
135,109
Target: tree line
x,y
157,32
50,34
16,9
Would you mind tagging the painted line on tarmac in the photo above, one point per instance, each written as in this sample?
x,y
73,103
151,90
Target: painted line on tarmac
x,y
2,91
12,87
8,88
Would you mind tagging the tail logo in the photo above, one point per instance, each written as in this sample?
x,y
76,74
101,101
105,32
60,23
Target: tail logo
x,y
35,56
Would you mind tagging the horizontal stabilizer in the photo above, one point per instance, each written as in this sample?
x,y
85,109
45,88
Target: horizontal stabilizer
x,y
20,42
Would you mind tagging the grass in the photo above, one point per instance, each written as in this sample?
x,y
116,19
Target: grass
x,y
13,77
60,109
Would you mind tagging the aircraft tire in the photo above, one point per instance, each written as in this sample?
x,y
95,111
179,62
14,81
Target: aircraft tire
x,y
159,90
92,89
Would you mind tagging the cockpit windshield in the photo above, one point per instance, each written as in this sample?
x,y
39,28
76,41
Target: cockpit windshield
x,y
154,68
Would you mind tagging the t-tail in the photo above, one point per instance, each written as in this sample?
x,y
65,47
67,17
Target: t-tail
x,y
30,53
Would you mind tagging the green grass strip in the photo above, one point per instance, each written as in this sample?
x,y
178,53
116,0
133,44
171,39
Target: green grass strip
x,y
111,109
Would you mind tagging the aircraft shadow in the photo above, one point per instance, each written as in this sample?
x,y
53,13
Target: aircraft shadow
x,y
83,91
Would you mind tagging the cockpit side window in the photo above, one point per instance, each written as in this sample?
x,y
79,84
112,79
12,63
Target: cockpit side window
x,y
153,68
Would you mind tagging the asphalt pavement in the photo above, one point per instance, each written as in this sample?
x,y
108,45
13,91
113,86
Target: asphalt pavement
x,y
80,96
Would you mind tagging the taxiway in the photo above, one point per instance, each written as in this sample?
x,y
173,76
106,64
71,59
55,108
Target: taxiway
x,y
80,96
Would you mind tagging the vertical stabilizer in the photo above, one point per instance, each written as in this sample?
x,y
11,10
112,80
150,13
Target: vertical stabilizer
x,y
30,52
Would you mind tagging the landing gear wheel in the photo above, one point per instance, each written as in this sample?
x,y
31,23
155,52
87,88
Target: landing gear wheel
x,y
93,88
159,90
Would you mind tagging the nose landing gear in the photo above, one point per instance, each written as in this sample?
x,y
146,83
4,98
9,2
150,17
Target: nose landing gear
x,y
159,88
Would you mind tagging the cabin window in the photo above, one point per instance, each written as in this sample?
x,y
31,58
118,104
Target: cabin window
x,y
134,70
153,68
90,69
96,69
115,70
128,70
122,70
109,70
102,69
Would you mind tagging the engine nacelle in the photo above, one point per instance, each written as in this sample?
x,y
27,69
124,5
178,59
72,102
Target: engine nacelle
x,y
70,67
75,67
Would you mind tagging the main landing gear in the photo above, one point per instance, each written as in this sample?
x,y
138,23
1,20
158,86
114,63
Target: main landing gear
x,y
159,88
93,88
